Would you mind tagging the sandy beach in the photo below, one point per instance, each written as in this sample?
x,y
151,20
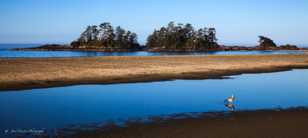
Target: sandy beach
x,y
28,73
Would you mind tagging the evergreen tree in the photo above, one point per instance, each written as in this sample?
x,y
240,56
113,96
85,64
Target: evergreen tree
x,y
182,37
104,36
266,42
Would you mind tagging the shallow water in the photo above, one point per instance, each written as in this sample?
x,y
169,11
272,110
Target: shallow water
x,y
85,104
6,52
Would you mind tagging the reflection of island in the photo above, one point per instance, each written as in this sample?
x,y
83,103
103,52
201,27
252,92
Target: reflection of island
x,y
172,38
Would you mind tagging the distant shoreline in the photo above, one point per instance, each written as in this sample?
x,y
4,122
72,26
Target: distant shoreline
x,y
56,47
29,73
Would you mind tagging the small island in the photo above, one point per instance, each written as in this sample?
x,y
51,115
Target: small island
x,y
182,37
172,38
103,38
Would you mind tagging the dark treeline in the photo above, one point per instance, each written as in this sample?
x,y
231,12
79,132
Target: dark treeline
x,y
105,36
173,37
182,37
266,42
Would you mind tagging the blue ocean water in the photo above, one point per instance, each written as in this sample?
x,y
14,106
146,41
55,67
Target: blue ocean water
x,y
6,52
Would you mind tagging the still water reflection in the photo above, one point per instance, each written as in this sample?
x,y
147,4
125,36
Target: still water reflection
x,y
62,106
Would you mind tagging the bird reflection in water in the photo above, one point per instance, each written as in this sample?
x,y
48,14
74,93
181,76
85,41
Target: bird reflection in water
x,y
230,106
229,103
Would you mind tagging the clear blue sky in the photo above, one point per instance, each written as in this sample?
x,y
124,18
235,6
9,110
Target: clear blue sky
x,y
237,21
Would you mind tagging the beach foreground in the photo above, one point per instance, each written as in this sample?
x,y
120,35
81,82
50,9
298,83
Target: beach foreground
x,y
291,123
28,73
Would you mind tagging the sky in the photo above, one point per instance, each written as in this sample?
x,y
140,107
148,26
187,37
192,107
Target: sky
x,y
236,21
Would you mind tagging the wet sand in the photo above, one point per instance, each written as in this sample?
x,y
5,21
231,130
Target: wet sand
x,y
249,124
28,73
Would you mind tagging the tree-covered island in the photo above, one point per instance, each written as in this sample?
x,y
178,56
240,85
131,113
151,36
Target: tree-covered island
x,y
107,38
171,38
182,37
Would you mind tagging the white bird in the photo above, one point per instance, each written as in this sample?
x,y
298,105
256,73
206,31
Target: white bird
x,y
230,99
